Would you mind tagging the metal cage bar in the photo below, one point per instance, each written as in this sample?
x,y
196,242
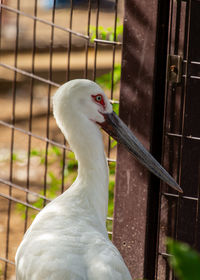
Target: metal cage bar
x,y
181,138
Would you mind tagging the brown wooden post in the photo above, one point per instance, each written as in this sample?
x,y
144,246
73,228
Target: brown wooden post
x,y
136,99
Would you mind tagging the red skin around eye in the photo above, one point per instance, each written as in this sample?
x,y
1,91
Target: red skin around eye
x,y
101,102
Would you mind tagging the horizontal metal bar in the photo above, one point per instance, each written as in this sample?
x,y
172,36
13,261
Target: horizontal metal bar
x,y
42,138
19,201
110,232
28,74
191,77
114,101
190,137
45,22
33,76
34,135
165,255
33,207
191,62
195,62
31,192
80,35
181,196
23,189
106,42
6,260
111,160
194,77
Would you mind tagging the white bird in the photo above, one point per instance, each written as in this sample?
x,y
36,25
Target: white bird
x,y
68,238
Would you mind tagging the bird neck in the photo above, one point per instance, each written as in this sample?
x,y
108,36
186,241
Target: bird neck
x,y
86,141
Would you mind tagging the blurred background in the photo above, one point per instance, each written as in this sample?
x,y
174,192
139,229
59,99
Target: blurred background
x,y
45,43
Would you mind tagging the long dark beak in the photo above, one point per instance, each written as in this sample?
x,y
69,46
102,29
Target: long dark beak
x,y
116,128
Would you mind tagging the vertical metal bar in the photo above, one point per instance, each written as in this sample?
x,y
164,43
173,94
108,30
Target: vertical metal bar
x,y
113,66
169,9
136,96
87,42
151,243
12,140
182,109
190,149
30,113
70,40
95,43
49,101
177,32
114,49
68,78
182,123
1,21
181,129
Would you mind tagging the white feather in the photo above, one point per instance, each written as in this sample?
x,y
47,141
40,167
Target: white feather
x,y
68,238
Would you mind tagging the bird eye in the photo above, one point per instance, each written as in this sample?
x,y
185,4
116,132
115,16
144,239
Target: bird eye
x,y
98,98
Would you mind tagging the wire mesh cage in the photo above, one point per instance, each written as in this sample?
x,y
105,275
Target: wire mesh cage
x,y
43,45
179,215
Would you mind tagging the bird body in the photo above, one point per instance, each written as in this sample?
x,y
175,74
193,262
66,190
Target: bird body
x,y
62,246
68,239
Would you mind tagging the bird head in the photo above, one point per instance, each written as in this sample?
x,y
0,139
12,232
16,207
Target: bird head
x,y
90,103
83,96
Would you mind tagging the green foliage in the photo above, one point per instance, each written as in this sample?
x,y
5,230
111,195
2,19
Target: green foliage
x,y
38,153
1,272
14,157
107,33
116,108
184,260
54,184
56,151
106,80
110,204
111,197
21,209
34,153
111,186
112,166
72,162
52,152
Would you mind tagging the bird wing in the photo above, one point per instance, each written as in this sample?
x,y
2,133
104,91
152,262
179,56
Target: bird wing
x,y
57,247
40,259
94,258
105,262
